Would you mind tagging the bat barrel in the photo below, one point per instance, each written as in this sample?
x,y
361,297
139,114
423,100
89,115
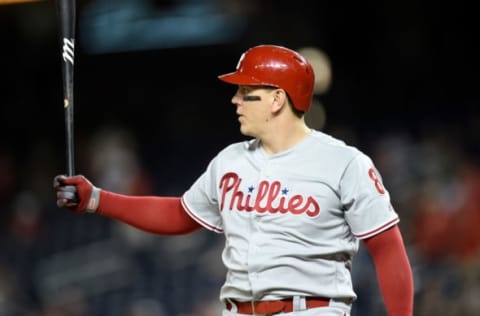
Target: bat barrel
x,y
66,12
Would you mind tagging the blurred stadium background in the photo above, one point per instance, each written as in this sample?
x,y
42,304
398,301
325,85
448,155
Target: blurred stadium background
x,y
399,80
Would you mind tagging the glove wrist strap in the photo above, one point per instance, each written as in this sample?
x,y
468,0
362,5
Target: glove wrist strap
x,y
93,201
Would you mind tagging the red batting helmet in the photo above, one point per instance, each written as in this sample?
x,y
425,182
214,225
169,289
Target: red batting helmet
x,y
276,66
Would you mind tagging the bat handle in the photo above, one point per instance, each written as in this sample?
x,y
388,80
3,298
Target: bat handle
x,y
68,69
69,137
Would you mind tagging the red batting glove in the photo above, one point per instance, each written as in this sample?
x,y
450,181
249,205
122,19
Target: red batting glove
x,y
76,193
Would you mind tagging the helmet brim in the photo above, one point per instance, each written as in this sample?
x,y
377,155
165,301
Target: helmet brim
x,y
242,79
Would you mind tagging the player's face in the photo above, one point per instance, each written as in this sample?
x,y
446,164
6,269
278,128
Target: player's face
x,y
253,108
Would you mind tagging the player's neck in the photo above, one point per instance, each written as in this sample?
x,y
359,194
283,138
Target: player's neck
x,y
282,138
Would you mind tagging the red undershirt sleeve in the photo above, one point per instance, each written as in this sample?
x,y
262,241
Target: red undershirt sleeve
x,y
158,215
393,271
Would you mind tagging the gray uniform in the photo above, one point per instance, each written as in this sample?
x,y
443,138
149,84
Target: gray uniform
x,y
292,220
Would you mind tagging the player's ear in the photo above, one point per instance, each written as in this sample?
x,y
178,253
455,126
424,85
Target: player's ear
x,y
279,100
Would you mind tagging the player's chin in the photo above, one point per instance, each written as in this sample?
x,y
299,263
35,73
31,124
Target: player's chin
x,y
244,130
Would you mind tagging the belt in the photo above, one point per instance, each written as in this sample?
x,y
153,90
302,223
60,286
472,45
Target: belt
x,y
273,307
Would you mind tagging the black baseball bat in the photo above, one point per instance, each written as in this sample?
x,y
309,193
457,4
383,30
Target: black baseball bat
x,y
66,12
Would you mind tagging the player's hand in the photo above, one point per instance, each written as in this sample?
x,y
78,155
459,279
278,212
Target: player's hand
x,y
76,193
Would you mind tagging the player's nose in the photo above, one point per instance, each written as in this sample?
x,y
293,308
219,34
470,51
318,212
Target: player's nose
x,y
236,99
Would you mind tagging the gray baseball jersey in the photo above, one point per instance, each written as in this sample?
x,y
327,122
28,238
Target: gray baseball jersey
x,y
292,220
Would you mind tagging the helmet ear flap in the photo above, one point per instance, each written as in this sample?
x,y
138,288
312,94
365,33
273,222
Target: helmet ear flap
x,y
276,66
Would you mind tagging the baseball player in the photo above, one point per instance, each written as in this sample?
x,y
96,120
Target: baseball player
x,y
292,202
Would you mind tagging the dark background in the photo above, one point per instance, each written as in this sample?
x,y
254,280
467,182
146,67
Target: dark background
x,y
395,65
405,68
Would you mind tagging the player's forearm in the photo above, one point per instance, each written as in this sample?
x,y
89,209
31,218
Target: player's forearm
x,y
159,215
393,271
